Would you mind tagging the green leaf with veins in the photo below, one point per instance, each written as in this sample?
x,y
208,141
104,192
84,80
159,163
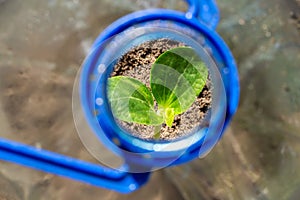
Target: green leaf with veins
x,y
131,101
177,78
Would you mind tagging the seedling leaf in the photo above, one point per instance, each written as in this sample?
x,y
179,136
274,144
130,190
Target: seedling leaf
x,y
131,101
177,78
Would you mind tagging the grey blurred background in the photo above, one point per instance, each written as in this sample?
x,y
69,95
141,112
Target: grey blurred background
x,y
42,45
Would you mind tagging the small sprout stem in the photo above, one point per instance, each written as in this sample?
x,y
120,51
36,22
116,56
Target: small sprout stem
x,y
157,132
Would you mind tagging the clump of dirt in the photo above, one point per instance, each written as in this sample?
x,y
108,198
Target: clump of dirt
x,y
137,63
296,19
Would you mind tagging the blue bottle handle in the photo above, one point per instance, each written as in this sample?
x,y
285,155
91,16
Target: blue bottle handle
x,y
205,10
207,13
68,167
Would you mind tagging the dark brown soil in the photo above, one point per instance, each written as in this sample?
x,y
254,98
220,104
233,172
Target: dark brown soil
x,y
136,63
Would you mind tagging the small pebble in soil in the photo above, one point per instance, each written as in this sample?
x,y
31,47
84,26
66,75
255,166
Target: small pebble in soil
x,y
136,63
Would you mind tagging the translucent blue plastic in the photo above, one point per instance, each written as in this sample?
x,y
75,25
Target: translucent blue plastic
x,y
201,17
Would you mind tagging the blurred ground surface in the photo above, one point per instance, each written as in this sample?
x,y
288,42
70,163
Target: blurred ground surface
x,y
42,45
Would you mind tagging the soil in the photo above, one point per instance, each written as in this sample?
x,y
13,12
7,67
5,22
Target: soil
x,y
137,63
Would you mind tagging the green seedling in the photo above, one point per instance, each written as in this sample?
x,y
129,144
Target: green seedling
x,y
177,78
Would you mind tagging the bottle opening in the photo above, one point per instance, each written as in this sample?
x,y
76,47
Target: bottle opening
x,y
157,93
